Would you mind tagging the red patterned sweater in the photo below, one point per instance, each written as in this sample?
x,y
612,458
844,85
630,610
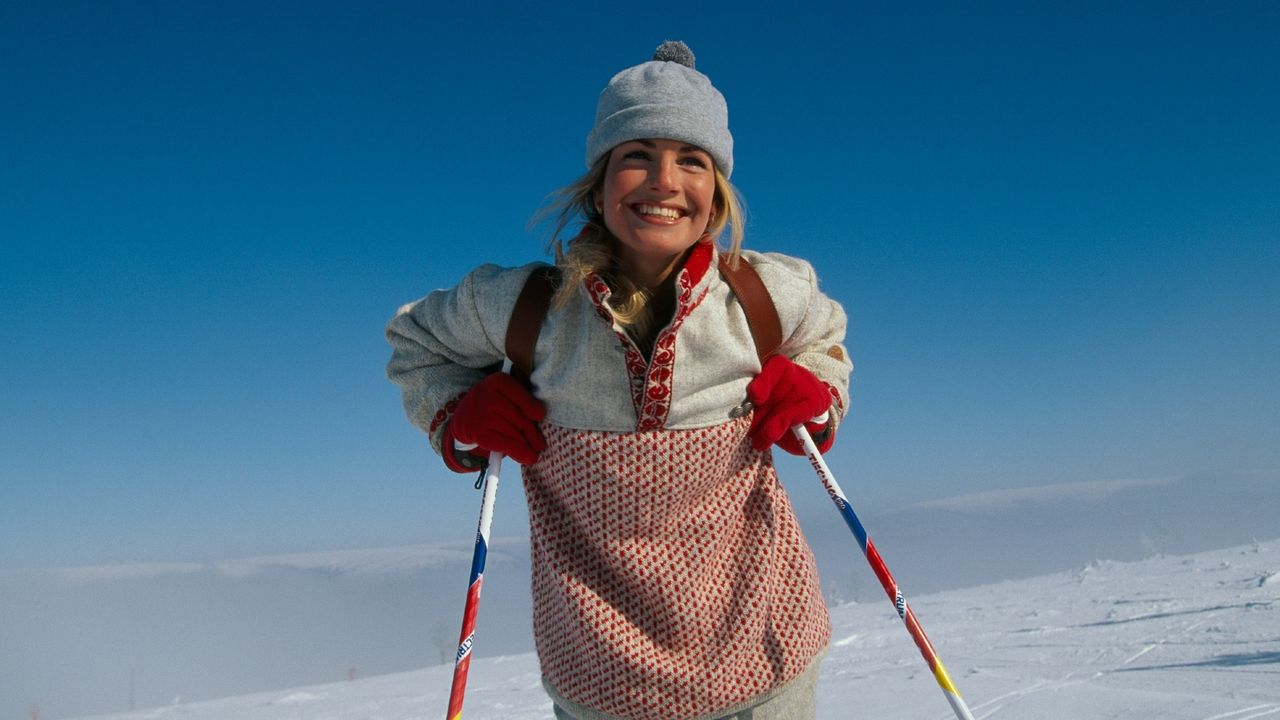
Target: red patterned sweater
x,y
670,577
669,574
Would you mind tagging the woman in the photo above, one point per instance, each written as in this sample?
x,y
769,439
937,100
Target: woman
x,y
670,578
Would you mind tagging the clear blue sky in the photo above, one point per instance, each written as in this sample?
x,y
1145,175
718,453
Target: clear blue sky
x,y
1056,229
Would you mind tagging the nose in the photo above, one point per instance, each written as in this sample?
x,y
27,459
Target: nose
x,y
662,174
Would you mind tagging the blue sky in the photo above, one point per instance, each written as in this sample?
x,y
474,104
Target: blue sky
x,y
1054,227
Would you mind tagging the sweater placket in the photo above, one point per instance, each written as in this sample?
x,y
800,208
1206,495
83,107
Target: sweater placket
x,y
650,382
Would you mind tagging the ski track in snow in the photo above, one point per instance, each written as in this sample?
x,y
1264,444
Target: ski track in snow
x,y
1176,638
1240,714
1071,678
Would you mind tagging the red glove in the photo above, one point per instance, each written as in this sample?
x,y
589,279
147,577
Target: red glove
x,y
785,394
496,415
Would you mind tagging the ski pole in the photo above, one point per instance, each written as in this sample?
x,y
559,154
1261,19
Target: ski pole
x,y
462,664
882,572
489,477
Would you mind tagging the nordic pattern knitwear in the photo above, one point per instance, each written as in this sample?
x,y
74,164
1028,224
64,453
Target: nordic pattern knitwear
x,y
797,700
668,572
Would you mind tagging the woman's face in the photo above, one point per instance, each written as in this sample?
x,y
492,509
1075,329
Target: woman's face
x,y
657,200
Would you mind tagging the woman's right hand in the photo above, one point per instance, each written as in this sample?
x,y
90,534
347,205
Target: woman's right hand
x,y
496,415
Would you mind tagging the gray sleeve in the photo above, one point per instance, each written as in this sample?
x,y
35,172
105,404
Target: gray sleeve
x,y
813,324
447,341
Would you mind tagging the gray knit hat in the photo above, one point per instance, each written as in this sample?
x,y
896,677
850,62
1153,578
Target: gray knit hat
x,y
663,98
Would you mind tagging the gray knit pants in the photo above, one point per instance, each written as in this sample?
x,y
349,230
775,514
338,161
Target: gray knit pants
x,y
798,701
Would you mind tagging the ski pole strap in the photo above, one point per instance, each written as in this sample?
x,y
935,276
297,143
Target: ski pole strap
x,y
526,319
757,305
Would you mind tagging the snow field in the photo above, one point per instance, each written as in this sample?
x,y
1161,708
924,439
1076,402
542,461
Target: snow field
x,y
1177,638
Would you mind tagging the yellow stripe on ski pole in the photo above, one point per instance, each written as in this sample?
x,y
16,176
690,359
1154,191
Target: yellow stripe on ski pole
x,y
952,694
944,680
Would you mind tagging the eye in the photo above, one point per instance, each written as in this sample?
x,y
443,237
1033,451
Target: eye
x,y
694,161
637,154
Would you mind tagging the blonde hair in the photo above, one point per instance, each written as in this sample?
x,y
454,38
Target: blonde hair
x,y
594,250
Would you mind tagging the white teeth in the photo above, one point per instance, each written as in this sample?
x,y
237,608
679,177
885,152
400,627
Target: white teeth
x,y
668,213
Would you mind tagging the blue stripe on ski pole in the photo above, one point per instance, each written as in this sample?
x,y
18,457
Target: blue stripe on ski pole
x,y
837,495
478,557
851,519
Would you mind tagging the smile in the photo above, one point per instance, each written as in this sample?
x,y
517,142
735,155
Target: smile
x,y
666,213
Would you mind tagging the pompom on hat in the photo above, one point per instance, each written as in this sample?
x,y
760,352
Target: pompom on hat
x,y
663,98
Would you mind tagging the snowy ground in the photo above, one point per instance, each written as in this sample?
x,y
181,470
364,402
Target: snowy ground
x,y
1194,637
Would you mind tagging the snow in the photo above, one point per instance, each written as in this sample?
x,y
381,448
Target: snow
x,y
1194,637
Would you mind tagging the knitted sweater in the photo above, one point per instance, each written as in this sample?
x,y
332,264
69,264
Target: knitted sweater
x,y
669,573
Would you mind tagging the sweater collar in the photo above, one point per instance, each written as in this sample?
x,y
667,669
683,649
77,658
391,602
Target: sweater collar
x,y
692,274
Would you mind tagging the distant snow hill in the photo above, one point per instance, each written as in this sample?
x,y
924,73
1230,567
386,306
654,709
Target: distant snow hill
x,y
103,638
1195,637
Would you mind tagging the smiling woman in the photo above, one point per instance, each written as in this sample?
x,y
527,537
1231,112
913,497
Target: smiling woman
x,y
670,576
656,201
657,198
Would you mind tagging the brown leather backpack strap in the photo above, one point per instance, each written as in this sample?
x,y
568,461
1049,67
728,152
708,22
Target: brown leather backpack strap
x,y
526,319
757,305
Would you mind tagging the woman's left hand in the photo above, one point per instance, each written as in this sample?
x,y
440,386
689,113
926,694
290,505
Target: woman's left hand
x,y
785,394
